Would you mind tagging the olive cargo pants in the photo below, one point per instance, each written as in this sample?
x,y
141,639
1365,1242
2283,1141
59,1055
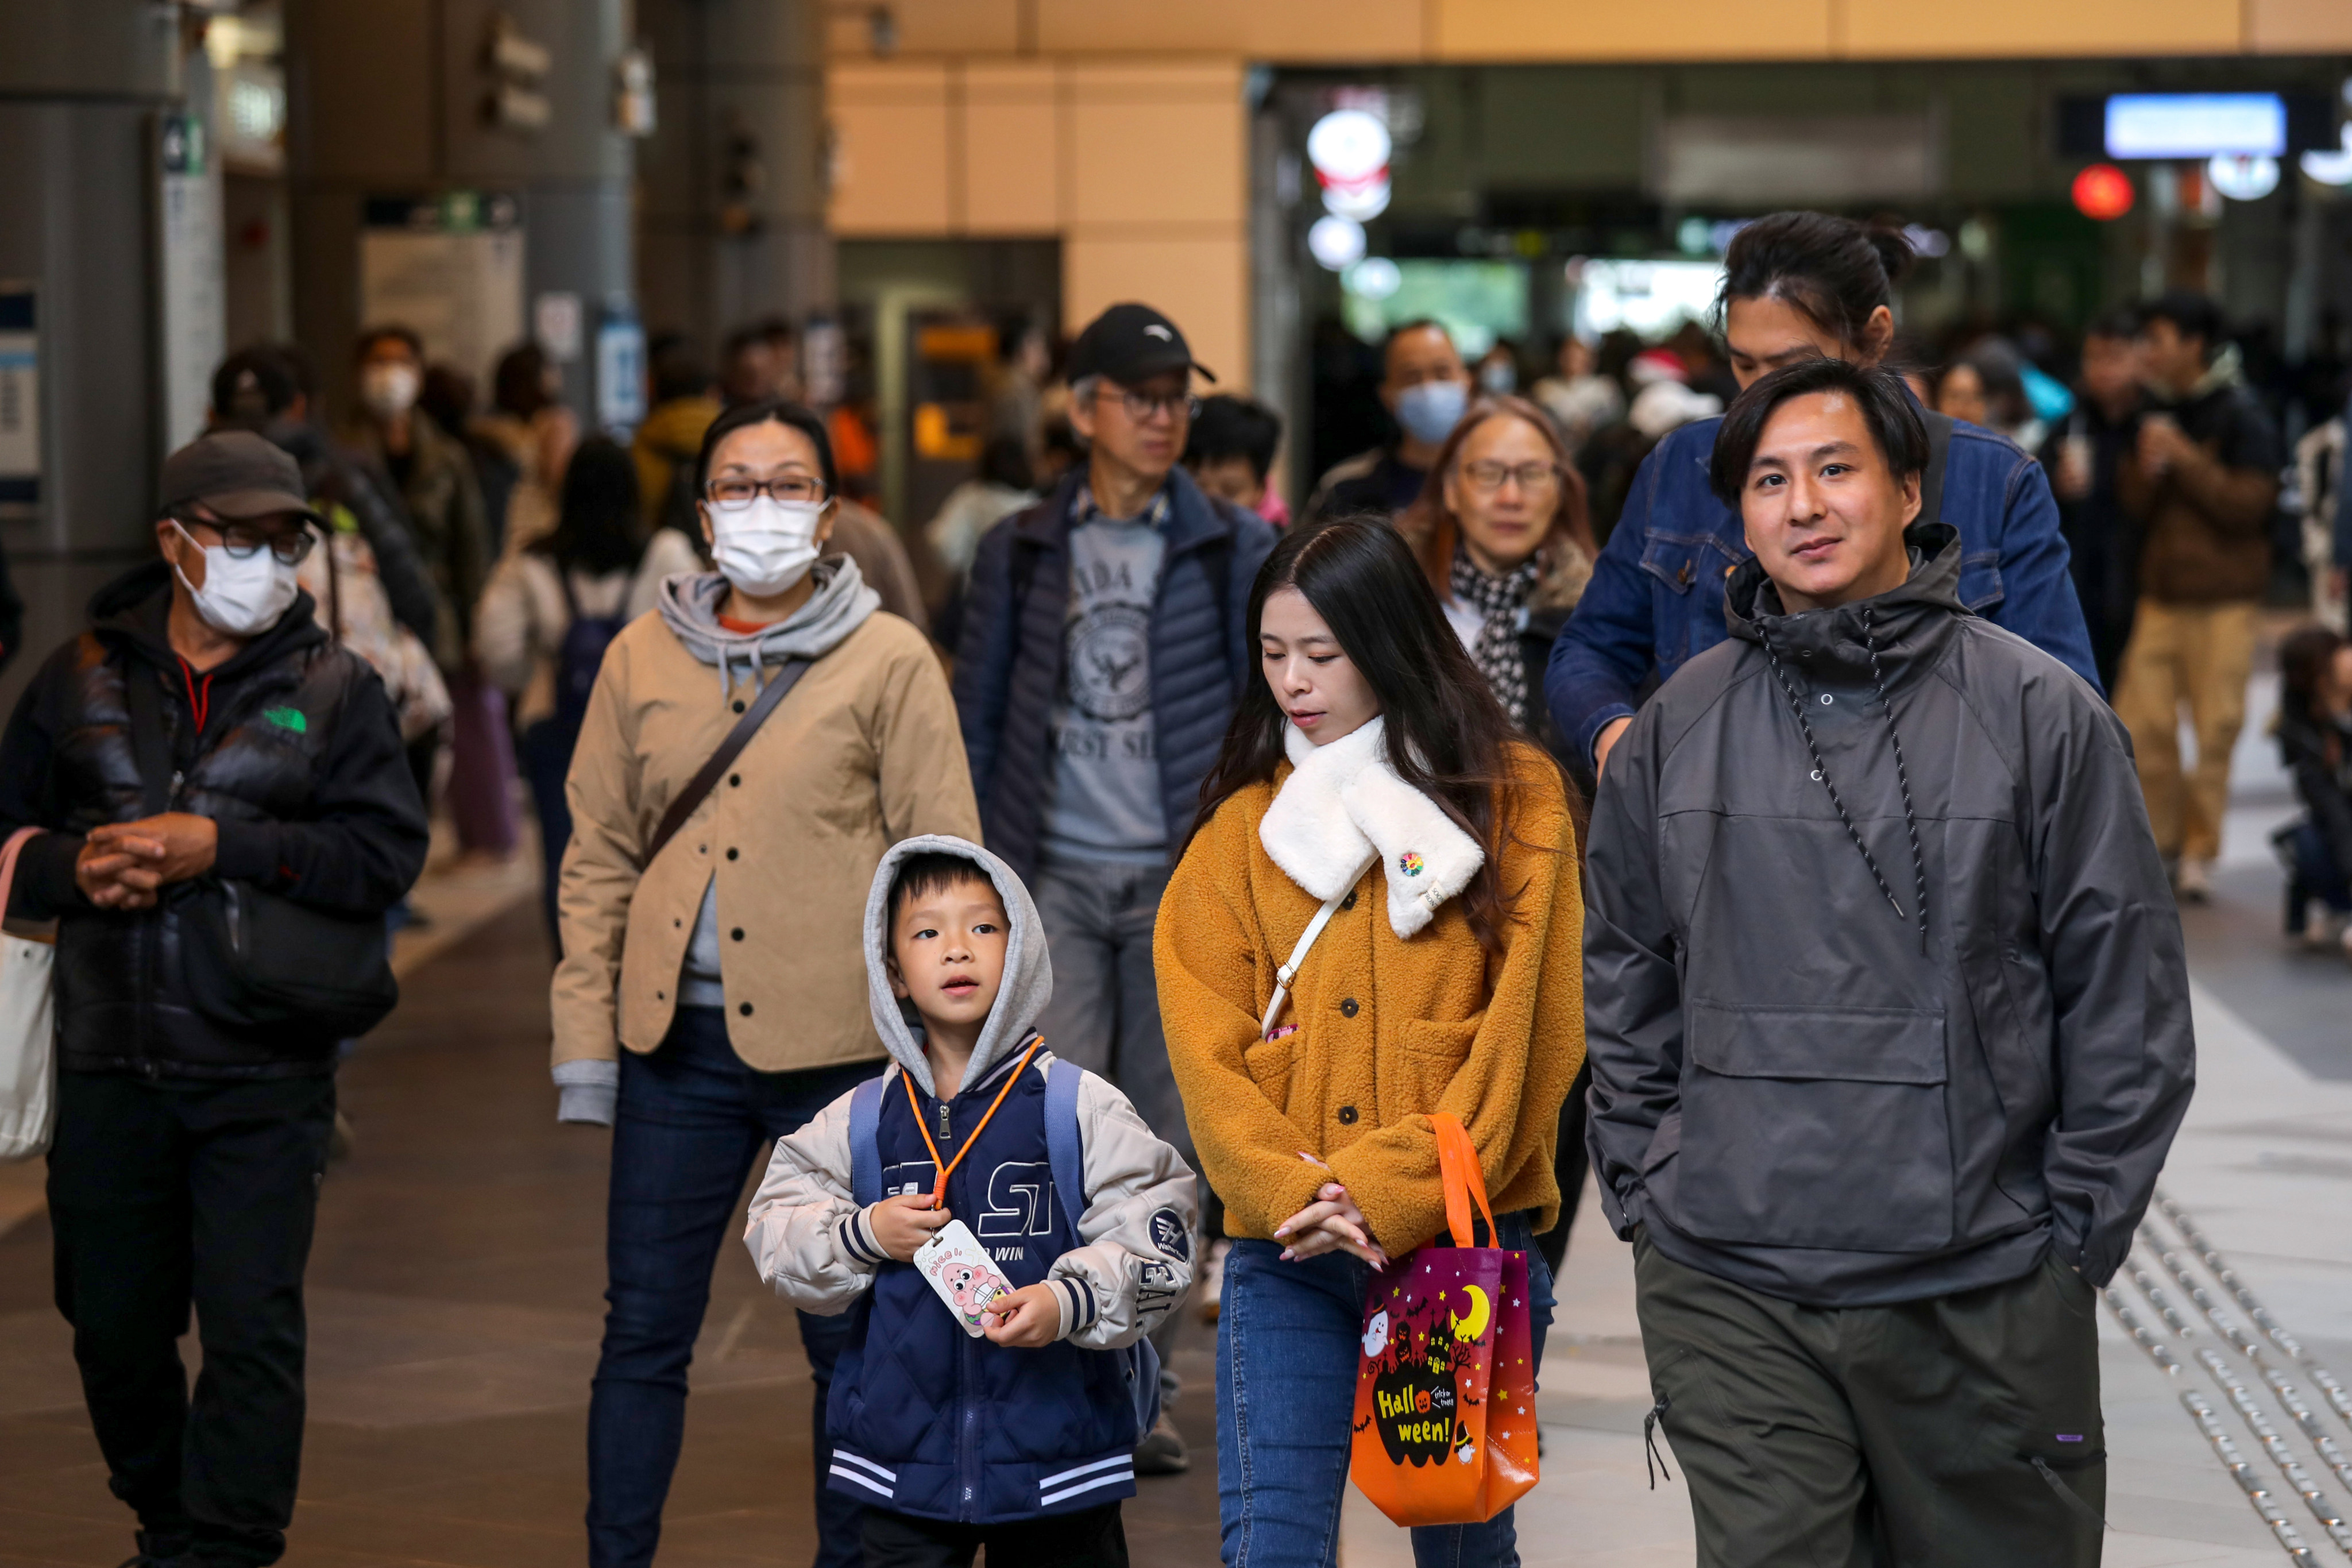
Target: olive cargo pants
x,y
1955,1432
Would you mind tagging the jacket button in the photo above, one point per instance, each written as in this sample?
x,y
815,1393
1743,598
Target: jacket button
x,y
678,924
1349,902
661,996
1347,1116
737,933
739,707
745,1009
734,780
1348,1008
731,855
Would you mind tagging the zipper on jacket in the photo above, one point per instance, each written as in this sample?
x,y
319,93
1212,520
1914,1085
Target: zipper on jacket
x,y
945,1134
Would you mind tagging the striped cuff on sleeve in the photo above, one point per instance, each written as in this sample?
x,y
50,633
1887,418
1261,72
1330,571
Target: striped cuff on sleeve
x,y
1078,1308
856,1235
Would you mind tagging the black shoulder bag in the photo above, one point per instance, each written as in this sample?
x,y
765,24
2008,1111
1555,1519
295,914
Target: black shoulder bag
x,y
255,964
699,787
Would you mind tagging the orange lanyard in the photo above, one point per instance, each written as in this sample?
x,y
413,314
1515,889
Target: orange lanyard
x,y
940,1187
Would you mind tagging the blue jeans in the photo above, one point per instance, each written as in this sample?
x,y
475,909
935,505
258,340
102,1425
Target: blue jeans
x,y
693,1121
1290,1336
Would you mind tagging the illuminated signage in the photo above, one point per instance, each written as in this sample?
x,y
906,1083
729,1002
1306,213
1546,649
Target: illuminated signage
x,y
2196,125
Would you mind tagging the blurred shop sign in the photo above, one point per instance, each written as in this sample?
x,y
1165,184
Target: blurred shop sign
x,y
620,369
2193,126
634,109
1756,160
824,364
449,267
517,67
20,402
192,295
555,322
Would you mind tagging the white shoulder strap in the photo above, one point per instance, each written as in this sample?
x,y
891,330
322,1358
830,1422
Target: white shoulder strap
x,y
1289,972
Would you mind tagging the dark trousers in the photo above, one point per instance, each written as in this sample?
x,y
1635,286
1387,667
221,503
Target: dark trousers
x,y
693,1122
1952,1432
2316,875
1569,1164
179,1193
1092,1538
546,763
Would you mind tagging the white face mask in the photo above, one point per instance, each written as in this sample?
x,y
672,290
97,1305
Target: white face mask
x,y
389,390
239,598
768,546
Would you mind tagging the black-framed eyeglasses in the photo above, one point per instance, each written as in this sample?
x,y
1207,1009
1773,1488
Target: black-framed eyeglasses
x,y
1143,407
733,494
1486,475
243,541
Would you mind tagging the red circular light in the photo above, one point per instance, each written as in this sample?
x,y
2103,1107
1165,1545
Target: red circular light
x,y
2103,191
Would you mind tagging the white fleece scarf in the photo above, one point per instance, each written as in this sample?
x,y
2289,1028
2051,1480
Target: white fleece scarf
x,y
1343,807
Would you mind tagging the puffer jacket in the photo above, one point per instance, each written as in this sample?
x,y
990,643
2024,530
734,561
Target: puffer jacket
x,y
1009,665
1885,991
1656,595
923,1416
298,761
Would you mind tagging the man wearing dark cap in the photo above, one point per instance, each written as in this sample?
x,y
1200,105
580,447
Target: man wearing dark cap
x,y
204,740
1104,648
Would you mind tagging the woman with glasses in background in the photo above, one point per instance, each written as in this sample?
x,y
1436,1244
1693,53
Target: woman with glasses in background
x,y
1502,534
712,996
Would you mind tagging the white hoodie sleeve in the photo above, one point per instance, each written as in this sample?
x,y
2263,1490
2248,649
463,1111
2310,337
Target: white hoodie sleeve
x,y
1134,1265
808,1237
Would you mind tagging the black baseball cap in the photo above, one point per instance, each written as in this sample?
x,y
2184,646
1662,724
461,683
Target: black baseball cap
x,y
1130,343
234,474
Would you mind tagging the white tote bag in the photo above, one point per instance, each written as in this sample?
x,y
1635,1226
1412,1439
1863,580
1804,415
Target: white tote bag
x,y
28,1049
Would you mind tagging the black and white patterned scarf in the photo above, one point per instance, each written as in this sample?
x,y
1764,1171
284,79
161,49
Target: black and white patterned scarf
x,y
1499,600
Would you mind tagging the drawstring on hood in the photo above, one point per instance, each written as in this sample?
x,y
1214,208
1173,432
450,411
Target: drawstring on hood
x,y
1028,983
1750,613
689,605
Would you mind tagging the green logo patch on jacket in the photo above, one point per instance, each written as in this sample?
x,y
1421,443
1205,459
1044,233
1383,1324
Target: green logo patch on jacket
x,y
287,719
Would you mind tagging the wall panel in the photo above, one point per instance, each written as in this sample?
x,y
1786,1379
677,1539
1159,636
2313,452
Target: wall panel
x,y
1198,281
1663,30
2028,28
892,168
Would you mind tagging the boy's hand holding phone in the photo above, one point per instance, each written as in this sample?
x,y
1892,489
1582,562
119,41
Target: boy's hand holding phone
x,y
904,1222
1028,1319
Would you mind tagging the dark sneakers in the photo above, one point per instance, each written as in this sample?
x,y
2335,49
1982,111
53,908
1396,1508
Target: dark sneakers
x,y
1162,1452
159,1551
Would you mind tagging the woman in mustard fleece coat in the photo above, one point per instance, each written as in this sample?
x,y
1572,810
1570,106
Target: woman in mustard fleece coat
x,y
1373,778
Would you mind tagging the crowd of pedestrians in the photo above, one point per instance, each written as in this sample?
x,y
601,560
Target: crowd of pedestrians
x,y
1485,794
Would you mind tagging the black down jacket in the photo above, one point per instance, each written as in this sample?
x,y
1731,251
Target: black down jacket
x,y
299,761
1808,1079
1008,662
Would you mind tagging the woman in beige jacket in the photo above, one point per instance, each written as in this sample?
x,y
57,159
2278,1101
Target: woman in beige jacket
x,y
712,997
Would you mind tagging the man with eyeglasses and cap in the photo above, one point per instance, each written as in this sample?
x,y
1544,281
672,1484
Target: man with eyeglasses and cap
x,y
204,738
1103,650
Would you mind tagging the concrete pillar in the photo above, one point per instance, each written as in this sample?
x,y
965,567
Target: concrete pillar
x,y
385,100
83,89
731,188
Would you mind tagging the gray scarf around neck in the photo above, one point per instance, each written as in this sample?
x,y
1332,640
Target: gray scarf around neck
x,y
690,602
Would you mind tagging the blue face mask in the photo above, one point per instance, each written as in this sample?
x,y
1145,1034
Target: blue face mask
x,y
1430,410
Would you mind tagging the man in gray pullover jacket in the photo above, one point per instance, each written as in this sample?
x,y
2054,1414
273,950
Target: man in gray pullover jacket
x,y
1889,1025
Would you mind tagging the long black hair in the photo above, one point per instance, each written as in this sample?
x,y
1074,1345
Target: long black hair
x,y
1445,734
1832,270
598,527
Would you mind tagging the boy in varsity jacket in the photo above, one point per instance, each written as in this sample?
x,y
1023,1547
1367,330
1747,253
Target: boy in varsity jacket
x,y
1020,1440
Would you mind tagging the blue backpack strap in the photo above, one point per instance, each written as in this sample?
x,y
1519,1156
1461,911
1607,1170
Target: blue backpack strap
x,y
866,1141
1064,1147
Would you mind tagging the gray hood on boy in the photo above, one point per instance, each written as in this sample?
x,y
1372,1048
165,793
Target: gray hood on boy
x,y
1028,969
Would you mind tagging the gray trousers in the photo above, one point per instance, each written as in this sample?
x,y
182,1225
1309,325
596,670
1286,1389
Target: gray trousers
x,y
1105,1015
1955,1432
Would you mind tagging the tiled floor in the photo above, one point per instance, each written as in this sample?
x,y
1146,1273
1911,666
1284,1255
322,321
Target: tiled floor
x,y
456,1305
456,1302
